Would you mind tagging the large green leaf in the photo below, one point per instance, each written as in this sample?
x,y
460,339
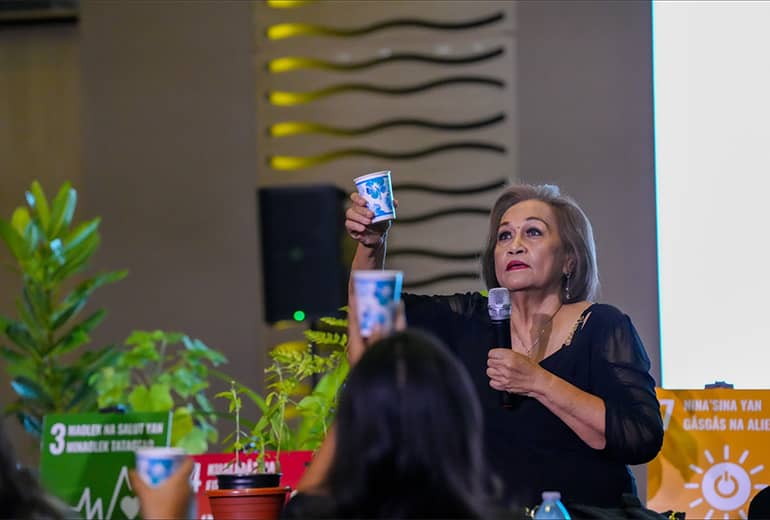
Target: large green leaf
x,y
39,203
88,324
24,365
110,385
37,304
202,351
35,328
33,236
204,403
31,391
181,424
94,360
194,443
77,258
33,424
82,394
78,335
139,399
330,383
159,398
62,210
76,299
19,334
80,235
11,355
20,219
13,240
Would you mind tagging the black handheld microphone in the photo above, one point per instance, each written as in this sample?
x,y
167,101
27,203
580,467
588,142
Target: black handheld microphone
x,y
499,307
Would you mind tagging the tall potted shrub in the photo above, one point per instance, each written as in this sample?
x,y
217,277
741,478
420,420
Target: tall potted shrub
x,y
46,346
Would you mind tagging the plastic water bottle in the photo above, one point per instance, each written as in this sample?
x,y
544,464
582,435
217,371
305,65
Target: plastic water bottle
x,y
551,507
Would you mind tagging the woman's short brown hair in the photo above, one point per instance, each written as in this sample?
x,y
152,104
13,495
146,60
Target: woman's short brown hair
x,y
574,230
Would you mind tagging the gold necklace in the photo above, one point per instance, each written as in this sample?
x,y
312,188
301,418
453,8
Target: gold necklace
x,y
540,334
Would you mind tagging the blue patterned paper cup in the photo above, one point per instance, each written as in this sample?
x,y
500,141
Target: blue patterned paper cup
x,y
377,296
378,192
155,465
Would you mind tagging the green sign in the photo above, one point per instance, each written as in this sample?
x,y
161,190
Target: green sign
x,y
86,457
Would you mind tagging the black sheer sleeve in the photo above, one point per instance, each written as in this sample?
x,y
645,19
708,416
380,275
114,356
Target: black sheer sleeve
x,y
633,428
439,314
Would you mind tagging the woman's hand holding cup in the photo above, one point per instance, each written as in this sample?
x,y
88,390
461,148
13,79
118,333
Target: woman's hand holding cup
x,y
358,222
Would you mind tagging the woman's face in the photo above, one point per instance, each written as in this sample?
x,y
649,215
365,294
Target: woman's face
x,y
529,253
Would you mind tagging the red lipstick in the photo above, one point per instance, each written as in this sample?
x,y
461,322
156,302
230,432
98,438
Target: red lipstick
x,y
514,265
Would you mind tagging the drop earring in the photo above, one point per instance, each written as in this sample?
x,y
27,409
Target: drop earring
x,y
566,286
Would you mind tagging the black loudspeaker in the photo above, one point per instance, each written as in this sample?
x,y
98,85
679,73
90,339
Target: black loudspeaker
x,y
304,274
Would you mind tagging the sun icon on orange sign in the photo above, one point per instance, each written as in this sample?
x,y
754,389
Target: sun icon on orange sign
x,y
725,486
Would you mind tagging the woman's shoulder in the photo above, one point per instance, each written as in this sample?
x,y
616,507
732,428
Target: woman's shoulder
x,y
604,313
599,320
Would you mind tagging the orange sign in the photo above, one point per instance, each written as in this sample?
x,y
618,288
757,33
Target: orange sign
x,y
715,455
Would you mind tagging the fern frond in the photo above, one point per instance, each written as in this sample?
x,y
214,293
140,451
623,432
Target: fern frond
x,y
335,322
326,338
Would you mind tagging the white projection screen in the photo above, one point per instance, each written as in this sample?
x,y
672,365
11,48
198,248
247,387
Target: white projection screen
x,y
712,140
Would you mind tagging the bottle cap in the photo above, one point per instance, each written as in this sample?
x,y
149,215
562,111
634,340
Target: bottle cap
x,y
551,495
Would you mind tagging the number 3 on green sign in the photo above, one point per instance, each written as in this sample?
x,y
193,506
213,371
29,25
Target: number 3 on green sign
x,y
57,430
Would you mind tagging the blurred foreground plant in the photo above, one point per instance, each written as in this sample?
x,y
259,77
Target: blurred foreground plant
x,y
45,349
161,371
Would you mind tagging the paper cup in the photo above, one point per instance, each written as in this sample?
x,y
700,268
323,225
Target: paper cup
x,y
377,296
378,192
155,465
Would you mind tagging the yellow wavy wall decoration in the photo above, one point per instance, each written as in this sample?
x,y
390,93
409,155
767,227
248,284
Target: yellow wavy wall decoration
x,y
291,63
290,98
286,4
290,128
282,31
295,162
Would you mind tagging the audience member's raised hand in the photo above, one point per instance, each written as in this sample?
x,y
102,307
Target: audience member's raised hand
x,y
358,344
168,500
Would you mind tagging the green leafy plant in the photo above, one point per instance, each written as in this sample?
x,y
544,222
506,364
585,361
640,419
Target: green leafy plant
x,y
161,371
238,437
303,380
46,352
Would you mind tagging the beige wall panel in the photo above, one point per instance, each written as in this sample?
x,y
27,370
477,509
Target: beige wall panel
x,y
362,13
40,139
474,91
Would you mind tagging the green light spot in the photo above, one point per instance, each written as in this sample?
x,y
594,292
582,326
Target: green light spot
x,y
299,316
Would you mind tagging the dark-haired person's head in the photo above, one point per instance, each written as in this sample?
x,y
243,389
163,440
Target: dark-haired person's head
x,y
21,496
409,435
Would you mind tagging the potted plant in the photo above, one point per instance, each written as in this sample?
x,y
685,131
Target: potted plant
x,y
294,415
246,495
158,371
46,351
243,442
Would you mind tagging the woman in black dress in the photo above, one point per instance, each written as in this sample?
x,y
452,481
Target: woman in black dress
x,y
584,404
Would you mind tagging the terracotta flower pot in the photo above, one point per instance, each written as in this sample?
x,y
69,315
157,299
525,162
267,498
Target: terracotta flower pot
x,y
247,504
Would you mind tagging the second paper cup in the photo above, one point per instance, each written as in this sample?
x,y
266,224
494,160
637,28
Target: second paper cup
x,y
377,296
